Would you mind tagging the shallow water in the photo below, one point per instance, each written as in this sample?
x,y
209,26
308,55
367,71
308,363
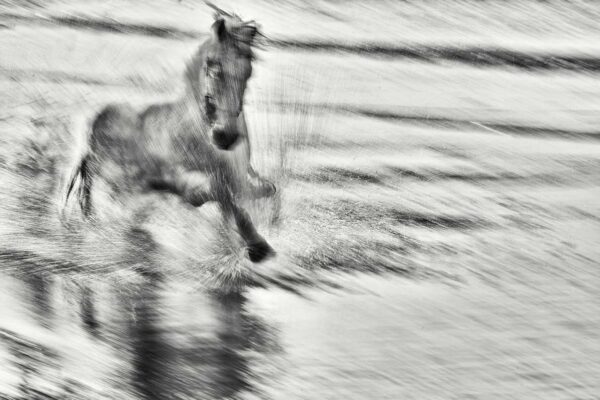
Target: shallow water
x,y
388,337
436,221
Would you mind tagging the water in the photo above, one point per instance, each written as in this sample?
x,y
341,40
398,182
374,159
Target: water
x,y
436,220
387,338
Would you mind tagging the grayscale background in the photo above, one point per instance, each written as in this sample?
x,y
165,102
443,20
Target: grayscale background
x,y
437,220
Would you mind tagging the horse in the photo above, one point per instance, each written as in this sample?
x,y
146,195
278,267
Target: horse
x,y
196,147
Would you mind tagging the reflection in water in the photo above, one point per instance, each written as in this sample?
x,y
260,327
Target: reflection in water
x,y
211,363
170,350
206,355
34,362
39,288
151,352
233,371
88,310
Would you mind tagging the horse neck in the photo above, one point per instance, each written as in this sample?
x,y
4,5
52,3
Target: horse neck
x,y
194,88
189,102
192,98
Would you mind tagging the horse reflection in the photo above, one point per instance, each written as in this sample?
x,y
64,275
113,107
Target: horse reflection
x,y
211,365
32,361
39,291
210,361
152,353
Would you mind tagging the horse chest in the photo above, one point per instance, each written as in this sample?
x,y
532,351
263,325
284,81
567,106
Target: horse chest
x,y
170,135
191,148
177,138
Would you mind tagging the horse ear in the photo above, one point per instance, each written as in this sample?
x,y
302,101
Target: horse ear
x,y
247,33
219,28
252,30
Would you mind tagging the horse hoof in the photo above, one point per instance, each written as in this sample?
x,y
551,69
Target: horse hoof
x,y
260,251
270,190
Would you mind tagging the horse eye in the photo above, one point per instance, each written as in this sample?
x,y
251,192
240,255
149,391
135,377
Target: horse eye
x,y
213,71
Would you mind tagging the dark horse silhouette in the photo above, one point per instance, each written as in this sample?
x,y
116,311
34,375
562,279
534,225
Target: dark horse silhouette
x,y
196,147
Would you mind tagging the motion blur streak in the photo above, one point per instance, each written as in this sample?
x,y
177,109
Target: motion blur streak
x,y
436,219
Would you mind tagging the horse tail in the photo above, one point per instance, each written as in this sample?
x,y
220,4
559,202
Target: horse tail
x,y
86,185
80,181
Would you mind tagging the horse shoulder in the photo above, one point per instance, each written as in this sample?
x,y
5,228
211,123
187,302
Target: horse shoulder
x,y
190,140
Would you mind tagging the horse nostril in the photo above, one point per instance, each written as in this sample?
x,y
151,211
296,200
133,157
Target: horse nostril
x,y
219,135
222,139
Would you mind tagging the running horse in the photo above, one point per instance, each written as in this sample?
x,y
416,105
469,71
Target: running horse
x,y
196,147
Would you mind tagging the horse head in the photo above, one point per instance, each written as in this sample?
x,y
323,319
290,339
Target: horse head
x,y
222,71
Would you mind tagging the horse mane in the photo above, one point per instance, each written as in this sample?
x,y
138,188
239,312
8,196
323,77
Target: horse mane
x,y
240,34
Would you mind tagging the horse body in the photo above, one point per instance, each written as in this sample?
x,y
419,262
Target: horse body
x,y
165,143
168,146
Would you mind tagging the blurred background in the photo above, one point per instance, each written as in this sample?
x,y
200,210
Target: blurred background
x,y
436,223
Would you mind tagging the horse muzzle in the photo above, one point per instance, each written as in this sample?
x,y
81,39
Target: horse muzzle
x,y
224,140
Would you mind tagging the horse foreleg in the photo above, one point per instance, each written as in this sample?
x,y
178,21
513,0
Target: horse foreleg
x,y
258,248
197,189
